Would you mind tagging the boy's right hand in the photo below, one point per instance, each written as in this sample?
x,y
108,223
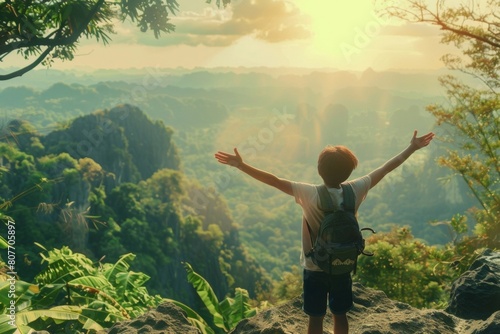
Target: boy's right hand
x,y
234,160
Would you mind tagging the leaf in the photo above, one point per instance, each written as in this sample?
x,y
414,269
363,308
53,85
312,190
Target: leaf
x,y
110,301
41,246
57,314
242,308
103,313
238,308
122,265
24,291
93,281
47,295
5,327
3,243
194,317
207,295
63,265
129,281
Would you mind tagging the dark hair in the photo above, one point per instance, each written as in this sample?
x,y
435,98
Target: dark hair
x,y
335,164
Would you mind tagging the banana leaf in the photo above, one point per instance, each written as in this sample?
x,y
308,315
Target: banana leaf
x,y
194,318
58,314
239,308
92,281
207,296
122,265
24,292
103,313
5,327
129,281
3,243
48,294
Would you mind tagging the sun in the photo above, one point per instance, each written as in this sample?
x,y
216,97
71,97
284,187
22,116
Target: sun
x,y
339,23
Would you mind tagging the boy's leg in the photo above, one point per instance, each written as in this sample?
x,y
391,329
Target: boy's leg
x,y
340,324
340,301
315,295
315,325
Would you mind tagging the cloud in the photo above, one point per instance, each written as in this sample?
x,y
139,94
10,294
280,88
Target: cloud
x,y
272,21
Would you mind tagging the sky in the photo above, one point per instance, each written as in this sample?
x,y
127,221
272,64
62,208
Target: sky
x,y
340,34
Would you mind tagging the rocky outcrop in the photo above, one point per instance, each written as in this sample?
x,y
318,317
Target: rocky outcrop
x,y
476,294
474,309
166,319
373,313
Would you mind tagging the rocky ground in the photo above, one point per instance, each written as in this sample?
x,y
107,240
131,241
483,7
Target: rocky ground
x,y
474,308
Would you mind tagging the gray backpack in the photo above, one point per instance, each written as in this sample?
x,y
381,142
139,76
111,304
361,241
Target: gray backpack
x,y
339,241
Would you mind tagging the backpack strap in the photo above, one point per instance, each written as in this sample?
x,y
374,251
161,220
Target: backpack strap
x,y
326,203
304,220
349,200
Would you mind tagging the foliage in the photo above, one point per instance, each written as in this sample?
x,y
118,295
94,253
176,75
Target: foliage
x,y
288,287
91,206
72,288
46,30
42,31
471,117
72,294
406,269
71,291
194,318
226,313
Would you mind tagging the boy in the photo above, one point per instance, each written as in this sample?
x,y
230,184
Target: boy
x,y
335,164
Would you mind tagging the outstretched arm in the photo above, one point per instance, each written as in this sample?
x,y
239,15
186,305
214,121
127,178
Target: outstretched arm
x,y
416,143
235,160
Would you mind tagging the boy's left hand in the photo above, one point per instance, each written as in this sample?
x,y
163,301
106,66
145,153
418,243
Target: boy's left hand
x,y
234,160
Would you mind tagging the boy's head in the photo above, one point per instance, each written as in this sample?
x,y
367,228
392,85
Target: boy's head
x,y
335,164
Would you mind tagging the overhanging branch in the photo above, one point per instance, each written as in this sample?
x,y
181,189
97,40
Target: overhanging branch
x,y
28,68
51,43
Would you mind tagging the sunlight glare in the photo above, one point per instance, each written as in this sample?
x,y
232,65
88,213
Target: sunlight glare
x,y
337,22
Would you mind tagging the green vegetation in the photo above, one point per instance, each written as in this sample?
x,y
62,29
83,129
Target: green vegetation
x,y
226,313
73,293
407,269
112,182
470,117
123,197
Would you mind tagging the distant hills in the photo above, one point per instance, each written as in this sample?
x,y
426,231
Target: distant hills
x,y
417,81
279,118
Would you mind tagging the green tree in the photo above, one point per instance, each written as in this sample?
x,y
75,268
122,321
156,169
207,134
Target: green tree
x,y
470,119
43,30
406,269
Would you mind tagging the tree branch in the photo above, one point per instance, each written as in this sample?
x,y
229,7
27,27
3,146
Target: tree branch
x,y
464,32
425,15
28,68
51,43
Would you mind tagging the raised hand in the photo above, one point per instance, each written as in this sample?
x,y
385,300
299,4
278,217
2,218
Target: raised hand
x,y
419,142
234,160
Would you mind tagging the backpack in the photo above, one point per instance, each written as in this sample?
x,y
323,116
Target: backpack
x,y
339,241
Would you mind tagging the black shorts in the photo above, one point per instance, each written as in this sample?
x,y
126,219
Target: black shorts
x,y
319,287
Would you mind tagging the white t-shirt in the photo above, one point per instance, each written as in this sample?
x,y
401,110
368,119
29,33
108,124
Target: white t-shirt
x,y
307,197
